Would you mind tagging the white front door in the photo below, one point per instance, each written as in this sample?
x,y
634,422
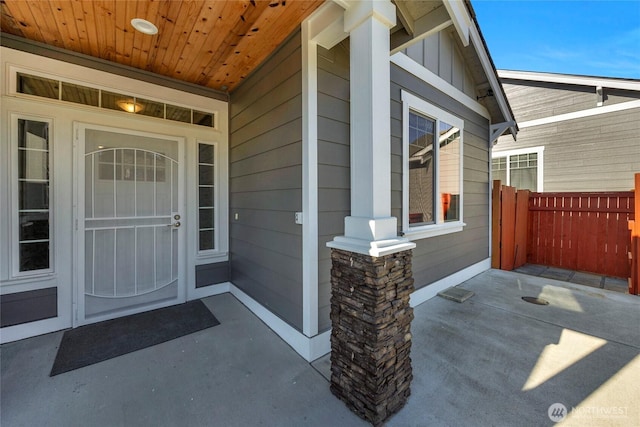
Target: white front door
x,y
129,216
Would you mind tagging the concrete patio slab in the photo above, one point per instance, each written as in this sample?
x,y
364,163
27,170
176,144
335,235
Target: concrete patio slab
x,y
492,360
615,284
587,279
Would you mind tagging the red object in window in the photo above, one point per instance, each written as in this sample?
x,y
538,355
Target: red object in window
x,y
446,202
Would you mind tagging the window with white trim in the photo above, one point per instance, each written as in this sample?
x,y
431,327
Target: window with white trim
x,y
432,169
519,168
207,197
32,231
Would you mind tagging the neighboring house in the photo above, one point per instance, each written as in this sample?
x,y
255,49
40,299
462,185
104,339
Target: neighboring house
x,y
124,190
577,133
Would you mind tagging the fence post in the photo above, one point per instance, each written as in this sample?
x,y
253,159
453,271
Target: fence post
x,y
634,226
495,224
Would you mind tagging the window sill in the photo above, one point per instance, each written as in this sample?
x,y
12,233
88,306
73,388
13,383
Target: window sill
x,y
427,231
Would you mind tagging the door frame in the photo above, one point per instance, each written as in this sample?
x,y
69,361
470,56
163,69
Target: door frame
x,y
78,313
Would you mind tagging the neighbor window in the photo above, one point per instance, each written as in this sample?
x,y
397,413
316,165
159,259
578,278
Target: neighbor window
x,y
519,168
206,197
432,169
32,196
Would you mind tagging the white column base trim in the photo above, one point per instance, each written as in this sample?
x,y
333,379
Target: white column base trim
x,y
366,247
310,348
424,294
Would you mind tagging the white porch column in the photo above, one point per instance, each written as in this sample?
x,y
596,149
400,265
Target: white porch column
x,y
370,229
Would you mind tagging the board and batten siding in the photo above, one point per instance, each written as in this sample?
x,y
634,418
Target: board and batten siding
x,y
334,180
437,257
595,153
439,54
265,178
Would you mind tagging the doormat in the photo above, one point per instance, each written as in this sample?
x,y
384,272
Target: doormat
x,y
102,341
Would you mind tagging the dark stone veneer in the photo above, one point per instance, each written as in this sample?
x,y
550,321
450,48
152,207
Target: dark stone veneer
x,y
371,336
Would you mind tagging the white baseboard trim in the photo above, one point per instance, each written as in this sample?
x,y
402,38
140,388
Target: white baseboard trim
x,y
423,294
32,329
208,291
310,348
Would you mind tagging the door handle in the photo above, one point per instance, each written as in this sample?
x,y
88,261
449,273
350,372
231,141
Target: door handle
x,y
175,224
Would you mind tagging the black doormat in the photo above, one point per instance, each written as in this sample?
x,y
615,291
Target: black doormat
x,y
102,341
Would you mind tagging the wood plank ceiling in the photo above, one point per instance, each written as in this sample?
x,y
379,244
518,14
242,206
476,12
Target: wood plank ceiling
x,y
212,43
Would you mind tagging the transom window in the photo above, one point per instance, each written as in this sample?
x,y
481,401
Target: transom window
x,y
432,170
51,88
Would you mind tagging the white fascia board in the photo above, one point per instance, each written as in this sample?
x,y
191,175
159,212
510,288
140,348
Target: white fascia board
x,y
461,19
489,71
408,64
581,114
570,79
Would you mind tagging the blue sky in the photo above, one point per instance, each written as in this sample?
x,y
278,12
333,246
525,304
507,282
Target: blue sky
x,y
596,38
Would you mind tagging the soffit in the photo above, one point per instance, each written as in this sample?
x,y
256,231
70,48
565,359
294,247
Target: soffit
x,y
210,43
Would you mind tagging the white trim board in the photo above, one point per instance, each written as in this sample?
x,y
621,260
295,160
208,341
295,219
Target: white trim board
x,y
408,64
426,293
32,329
309,182
581,114
571,79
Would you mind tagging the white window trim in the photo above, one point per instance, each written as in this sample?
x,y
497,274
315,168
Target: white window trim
x,y
207,253
14,252
539,150
412,102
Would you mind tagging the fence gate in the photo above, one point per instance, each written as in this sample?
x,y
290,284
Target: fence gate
x,y
581,231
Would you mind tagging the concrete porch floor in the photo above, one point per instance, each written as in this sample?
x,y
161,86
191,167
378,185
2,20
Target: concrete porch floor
x,y
492,360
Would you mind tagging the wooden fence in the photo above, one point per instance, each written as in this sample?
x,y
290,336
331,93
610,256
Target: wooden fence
x,y
509,227
634,255
593,232
581,231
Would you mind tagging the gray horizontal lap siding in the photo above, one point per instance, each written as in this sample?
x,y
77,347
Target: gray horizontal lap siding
x,y
265,180
596,153
437,257
334,181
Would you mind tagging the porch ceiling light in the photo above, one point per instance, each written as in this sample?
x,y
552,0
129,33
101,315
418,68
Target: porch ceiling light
x,y
144,26
129,106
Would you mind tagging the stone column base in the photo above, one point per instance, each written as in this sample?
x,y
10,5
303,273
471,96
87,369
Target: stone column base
x,y
370,338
